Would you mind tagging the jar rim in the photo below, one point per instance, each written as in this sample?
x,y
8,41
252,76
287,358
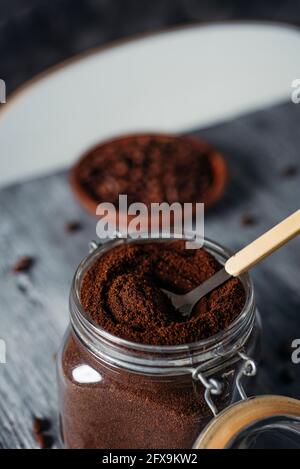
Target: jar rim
x,y
246,316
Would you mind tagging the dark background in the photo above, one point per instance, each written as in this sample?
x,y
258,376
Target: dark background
x,y
35,34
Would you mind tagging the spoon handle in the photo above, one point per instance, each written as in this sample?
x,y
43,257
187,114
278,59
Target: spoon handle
x,y
264,246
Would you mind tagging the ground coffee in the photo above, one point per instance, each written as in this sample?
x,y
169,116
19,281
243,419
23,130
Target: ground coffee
x,y
110,406
150,168
122,293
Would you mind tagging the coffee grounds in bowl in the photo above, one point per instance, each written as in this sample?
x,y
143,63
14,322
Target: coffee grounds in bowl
x,y
122,293
150,169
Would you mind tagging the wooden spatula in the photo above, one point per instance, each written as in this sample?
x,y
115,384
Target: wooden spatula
x,y
241,262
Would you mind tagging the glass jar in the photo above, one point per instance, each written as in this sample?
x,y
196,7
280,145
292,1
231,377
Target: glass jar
x,y
118,394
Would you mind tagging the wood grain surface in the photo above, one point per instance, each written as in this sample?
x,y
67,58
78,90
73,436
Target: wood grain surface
x,y
262,150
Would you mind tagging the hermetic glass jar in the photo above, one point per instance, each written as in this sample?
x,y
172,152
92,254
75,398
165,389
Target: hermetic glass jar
x,y
118,394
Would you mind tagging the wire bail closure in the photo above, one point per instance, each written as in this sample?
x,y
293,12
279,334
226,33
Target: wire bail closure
x,y
248,369
214,387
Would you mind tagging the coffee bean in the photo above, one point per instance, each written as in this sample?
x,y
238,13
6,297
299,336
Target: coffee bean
x,y
40,428
73,226
40,424
248,220
290,171
44,441
24,264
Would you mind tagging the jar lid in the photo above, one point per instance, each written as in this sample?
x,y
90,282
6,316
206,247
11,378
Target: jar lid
x,y
249,422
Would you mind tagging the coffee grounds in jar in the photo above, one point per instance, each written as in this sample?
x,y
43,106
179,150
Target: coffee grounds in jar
x,y
116,407
132,410
122,293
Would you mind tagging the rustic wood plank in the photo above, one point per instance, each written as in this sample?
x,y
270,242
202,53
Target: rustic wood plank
x,y
34,306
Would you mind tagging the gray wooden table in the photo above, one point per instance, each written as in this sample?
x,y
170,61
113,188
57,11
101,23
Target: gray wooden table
x,y
34,305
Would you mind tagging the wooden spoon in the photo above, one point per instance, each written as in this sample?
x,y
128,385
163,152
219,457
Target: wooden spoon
x,y
241,262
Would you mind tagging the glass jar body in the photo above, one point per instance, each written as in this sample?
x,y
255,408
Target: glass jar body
x,y
118,394
105,407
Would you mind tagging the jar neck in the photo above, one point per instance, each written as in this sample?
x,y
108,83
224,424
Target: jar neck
x,y
208,355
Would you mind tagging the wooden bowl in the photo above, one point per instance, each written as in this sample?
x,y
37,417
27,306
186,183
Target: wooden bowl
x,y
211,196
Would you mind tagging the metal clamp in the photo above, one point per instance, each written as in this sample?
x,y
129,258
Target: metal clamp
x,y
212,387
215,388
248,369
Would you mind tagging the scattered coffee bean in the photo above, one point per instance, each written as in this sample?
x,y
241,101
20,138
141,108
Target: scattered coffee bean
x,y
290,171
248,220
73,226
24,264
40,427
287,375
44,441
